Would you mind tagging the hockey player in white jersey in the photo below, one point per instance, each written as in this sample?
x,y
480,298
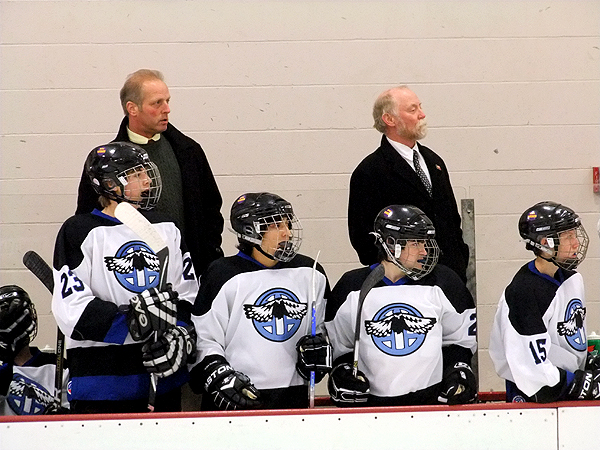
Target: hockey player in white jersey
x,y
417,325
255,346
538,341
106,298
26,373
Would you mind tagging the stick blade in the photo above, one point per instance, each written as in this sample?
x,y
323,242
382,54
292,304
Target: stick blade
x,y
37,266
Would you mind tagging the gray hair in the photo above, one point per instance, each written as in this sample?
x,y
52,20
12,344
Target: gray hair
x,y
385,103
132,89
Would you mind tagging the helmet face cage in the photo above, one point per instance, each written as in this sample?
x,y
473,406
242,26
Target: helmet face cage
x,y
286,249
140,185
552,249
253,214
420,267
122,171
550,221
399,228
12,296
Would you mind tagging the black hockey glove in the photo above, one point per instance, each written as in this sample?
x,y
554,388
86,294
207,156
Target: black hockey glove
x,y
172,350
17,324
150,311
345,389
230,389
593,361
585,385
314,354
459,385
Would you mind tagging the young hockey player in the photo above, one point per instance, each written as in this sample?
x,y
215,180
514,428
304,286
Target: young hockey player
x,y
27,375
417,325
106,299
538,341
255,347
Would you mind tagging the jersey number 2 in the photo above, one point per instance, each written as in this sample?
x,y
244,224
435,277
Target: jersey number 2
x,y
75,282
539,354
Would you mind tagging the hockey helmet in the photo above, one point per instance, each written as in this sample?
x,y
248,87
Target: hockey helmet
x,y
253,213
397,226
16,307
548,220
119,164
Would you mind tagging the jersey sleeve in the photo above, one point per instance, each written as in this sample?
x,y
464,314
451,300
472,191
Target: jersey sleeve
x,y
524,355
340,317
78,312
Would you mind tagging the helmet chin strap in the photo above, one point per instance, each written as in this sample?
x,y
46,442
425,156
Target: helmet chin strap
x,y
409,273
262,252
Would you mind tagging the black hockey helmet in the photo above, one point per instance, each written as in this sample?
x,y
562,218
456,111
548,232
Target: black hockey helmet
x,y
547,220
395,225
17,307
109,166
251,215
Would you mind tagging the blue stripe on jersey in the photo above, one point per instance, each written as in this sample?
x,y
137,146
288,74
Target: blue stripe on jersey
x,y
118,387
533,269
118,330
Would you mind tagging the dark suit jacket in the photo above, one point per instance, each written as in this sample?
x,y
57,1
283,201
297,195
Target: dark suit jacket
x,y
201,198
384,178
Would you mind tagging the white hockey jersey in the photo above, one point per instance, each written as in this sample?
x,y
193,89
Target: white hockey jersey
x,y
99,264
31,388
404,327
539,327
253,316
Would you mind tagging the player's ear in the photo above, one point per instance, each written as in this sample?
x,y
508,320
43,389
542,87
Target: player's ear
x,y
388,119
132,108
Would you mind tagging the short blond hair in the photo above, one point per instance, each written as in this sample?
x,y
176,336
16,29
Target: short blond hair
x,y
132,89
385,103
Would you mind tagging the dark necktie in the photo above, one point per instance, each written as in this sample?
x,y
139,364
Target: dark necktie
x,y
420,172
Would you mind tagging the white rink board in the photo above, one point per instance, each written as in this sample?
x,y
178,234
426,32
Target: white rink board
x,y
501,429
576,429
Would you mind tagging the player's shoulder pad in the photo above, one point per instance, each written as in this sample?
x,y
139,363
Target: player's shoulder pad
x,y
301,260
451,285
351,281
218,273
528,297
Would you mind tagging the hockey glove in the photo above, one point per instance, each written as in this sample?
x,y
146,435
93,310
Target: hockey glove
x,y
230,389
150,311
172,350
459,385
585,385
593,361
345,389
314,354
17,324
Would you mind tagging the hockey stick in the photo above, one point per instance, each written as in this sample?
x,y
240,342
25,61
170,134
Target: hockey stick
x,y
313,329
137,223
372,279
40,268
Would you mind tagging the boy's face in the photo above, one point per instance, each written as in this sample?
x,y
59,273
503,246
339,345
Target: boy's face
x,y
567,246
413,254
277,235
138,184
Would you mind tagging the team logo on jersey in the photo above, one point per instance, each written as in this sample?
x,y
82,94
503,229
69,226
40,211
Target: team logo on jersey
x,y
276,314
572,328
399,329
135,266
26,397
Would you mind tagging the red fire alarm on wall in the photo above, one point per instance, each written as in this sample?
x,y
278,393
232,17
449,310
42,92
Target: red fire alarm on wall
x,y
596,178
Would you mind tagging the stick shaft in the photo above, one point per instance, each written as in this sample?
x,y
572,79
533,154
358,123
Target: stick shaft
x,y
372,279
40,268
313,328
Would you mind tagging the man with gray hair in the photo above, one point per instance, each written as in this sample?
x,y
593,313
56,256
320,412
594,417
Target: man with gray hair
x,y
190,195
404,172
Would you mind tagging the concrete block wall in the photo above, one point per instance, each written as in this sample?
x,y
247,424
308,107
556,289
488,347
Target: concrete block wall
x,y
279,94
